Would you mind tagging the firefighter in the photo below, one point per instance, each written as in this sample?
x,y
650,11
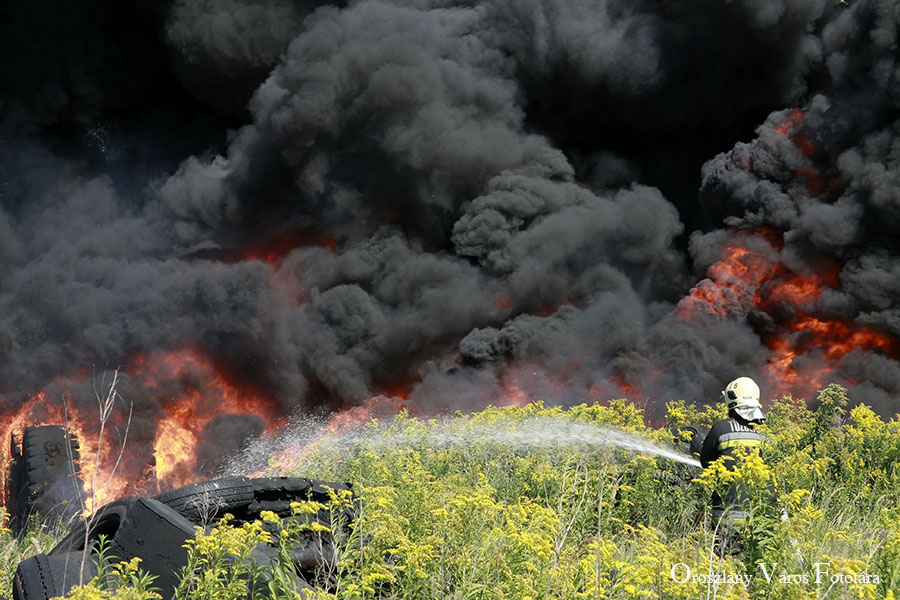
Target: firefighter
x,y
737,431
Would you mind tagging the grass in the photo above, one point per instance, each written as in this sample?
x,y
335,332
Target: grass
x,y
447,511
38,538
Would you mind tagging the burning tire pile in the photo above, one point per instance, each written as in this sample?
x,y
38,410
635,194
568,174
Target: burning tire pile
x,y
156,529
44,477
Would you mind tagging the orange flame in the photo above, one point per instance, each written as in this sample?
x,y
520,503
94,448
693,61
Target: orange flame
x,y
41,409
208,394
790,128
190,392
791,123
275,249
821,180
744,280
732,284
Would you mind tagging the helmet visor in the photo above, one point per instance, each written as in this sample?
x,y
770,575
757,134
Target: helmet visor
x,y
751,414
730,398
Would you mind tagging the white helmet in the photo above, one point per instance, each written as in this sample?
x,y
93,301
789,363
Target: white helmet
x,y
742,396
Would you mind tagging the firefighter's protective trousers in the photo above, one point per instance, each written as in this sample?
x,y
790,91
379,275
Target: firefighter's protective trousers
x,y
722,441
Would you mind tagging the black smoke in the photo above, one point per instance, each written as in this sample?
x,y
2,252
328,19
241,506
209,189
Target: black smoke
x,y
829,187
336,200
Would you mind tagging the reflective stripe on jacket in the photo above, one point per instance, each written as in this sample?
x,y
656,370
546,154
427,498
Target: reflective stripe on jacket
x,y
721,441
724,437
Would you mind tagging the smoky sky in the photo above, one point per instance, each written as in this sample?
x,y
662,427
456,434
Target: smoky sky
x,y
452,196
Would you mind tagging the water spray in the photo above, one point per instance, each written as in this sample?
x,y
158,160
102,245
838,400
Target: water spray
x,y
535,432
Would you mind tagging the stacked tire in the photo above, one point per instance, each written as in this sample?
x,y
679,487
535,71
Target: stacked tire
x,y
313,554
44,481
45,576
156,530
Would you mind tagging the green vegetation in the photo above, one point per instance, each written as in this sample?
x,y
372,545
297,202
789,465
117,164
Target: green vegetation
x,y
38,538
448,512
116,580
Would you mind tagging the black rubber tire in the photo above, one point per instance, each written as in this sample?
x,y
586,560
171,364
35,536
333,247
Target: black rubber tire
x,y
44,479
314,554
157,534
271,488
105,521
266,555
42,577
280,485
320,489
277,493
209,499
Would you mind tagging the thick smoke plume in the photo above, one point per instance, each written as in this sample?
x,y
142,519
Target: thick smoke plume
x,y
309,204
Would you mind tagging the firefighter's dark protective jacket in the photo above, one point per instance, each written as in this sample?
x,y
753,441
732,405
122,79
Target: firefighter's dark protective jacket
x,y
722,441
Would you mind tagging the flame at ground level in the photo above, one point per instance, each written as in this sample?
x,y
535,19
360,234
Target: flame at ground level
x,y
39,411
183,399
185,402
206,398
